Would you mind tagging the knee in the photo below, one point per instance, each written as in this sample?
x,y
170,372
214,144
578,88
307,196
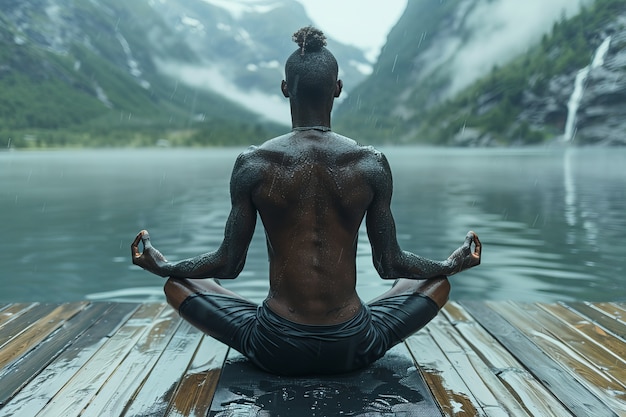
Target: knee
x,y
437,289
176,292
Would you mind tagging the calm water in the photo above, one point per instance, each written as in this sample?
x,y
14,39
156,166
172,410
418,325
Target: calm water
x,y
553,221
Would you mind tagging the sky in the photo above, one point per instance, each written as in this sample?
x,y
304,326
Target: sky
x,y
362,23
488,33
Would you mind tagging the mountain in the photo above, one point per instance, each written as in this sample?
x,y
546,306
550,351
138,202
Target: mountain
x,y
207,72
480,72
243,46
115,72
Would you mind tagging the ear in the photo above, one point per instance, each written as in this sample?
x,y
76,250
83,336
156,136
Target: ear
x,y
338,88
284,89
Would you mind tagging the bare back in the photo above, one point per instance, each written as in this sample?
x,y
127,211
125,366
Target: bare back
x,y
312,189
312,193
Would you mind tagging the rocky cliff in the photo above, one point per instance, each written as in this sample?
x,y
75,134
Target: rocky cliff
x,y
441,80
588,105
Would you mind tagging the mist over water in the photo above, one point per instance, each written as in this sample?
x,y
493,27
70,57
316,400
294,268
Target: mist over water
x,y
551,220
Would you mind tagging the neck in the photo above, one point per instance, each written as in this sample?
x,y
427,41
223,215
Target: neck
x,y
305,117
318,128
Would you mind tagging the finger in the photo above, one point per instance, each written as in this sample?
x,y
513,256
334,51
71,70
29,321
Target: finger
x,y
476,258
477,244
137,239
134,247
469,238
145,239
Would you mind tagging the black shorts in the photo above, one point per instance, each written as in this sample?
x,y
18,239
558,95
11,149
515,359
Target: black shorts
x,y
280,346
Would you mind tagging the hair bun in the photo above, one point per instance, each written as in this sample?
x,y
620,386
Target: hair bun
x,y
309,39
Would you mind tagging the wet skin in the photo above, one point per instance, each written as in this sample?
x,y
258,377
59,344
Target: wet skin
x,y
312,189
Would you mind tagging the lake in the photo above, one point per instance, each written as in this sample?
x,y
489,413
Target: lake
x,y
552,220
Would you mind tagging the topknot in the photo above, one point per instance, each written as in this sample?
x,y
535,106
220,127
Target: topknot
x,y
309,39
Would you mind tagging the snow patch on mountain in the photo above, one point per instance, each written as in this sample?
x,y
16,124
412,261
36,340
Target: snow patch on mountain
x,y
192,23
238,9
264,64
133,65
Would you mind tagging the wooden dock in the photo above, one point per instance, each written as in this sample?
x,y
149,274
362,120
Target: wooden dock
x,y
475,359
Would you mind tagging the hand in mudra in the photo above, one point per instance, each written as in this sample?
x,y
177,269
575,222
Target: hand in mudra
x,y
464,258
150,259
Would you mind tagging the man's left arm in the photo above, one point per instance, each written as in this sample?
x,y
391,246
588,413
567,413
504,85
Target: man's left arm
x,y
389,259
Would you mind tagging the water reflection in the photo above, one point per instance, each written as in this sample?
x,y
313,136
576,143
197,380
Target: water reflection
x,y
570,191
548,218
391,386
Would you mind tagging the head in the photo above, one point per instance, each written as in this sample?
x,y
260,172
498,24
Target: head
x,y
311,71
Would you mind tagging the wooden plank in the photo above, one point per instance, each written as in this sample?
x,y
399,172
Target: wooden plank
x,y
79,391
454,396
195,392
392,386
21,323
491,394
611,323
531,395
30,365
128,377
567,389
608,352
491,376
36,332
12,311
34,396
154,397
616,311
579,357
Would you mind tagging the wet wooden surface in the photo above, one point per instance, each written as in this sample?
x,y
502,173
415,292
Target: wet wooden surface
x,y
474,359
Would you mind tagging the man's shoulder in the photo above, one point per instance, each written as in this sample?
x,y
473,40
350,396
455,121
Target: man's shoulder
x,y
246,156
266,149
256,151
365,150
278,148
366,153
255,156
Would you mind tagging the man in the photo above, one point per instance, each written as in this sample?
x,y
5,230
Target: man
x,y
311,188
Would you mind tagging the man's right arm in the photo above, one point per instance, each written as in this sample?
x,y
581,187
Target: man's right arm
x,y
228,260
389,259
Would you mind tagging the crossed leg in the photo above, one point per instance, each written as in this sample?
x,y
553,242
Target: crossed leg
x,y
225,315
177,290
437,289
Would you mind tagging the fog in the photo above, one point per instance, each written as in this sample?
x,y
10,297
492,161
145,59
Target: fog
x,y
273,107
483,33
498,31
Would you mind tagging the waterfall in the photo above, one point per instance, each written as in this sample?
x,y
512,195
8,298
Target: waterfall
x,y
579,88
